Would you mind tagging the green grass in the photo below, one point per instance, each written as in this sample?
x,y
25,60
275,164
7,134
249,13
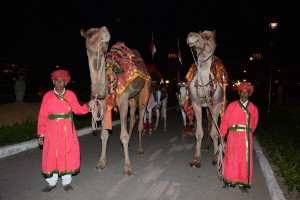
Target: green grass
x,y
18,132
27,130
282,142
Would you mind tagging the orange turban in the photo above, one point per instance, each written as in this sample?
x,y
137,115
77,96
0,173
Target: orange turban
x,y
61,74
246,86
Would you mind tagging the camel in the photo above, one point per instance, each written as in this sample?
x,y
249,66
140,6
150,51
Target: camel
x,y
207,86
160,110
119,80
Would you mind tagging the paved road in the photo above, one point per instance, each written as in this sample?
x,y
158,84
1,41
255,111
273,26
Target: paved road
x,y
163,173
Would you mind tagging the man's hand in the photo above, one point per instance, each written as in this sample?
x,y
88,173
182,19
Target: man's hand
x,y
93,104
41,141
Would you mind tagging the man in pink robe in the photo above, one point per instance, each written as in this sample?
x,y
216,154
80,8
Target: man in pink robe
x,y
238,124
57,133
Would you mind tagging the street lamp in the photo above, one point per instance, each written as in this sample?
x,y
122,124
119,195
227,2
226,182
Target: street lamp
x,y
273,27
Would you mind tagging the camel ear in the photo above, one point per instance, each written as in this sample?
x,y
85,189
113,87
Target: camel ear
x,y
83,33
214,33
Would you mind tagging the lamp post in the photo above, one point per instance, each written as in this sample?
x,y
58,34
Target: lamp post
x,y
273,27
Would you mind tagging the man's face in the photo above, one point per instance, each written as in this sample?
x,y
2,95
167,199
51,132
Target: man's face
x,y
59,83
244,95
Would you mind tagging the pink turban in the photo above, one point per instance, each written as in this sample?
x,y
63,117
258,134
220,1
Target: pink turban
x,y
246,86
61,74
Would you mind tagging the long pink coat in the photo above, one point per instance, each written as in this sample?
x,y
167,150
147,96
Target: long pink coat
x,y
61,151
238,162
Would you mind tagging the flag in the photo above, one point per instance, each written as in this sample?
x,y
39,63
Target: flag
x,y
152,47
179,54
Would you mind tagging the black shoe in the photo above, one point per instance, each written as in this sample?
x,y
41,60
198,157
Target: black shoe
x,y
48,188
226,186
244,189
68,187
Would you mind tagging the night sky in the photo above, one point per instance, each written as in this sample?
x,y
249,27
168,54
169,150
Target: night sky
x,y
41,34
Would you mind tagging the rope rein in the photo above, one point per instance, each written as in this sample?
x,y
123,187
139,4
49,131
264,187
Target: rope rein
x,y
220,152
97,112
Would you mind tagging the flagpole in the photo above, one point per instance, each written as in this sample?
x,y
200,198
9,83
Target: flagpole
x,y
180,60
152,47
152,43
178,72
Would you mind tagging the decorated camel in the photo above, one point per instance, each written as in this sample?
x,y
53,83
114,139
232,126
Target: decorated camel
x,y
119,80
158,101
207,81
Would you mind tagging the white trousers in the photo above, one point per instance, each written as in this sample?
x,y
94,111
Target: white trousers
x,y
66,179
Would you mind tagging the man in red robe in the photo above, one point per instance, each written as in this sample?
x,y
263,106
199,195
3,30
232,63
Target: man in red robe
x,y
57,133
238,125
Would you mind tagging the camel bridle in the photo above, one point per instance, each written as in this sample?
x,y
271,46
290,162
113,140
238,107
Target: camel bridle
x,y
97,107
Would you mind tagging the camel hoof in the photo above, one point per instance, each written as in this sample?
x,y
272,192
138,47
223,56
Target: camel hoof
x,y
165,129
128,173
128,170
215,160
98,168
197,165
101,165
140,152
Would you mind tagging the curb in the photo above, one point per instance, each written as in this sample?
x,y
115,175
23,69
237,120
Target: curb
x,y
273,187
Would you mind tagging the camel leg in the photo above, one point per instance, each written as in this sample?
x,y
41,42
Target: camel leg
x,y
157,119
183,116
142,110
104,138
124,136
196,161
184,120
164,113
145,123
209,125
133,106
150,121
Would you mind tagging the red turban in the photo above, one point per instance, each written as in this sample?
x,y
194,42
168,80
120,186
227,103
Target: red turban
x,y
61,74
246,86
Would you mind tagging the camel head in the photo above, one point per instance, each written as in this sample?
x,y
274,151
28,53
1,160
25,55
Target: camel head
x,y
203,43
96,43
